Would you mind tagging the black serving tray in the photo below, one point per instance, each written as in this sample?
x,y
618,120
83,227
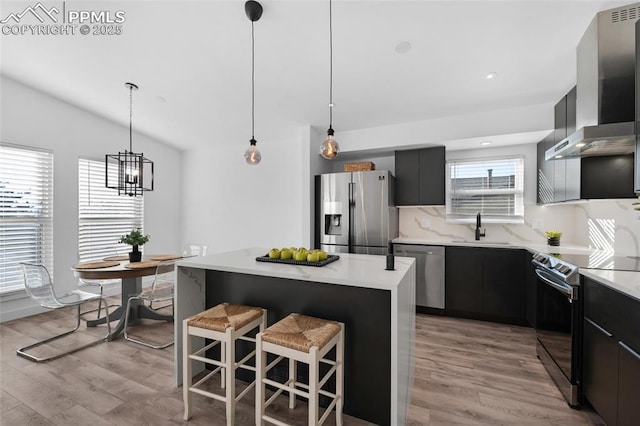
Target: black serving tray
x,y
330,258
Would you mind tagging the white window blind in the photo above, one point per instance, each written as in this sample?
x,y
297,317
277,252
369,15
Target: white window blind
x,y
26,212
104,216
494,187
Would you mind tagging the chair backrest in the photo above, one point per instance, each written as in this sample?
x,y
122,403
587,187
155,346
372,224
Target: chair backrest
x,y
195,250
164,275
37,281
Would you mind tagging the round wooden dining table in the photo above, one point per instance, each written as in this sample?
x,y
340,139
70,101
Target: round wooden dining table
x,y
131,285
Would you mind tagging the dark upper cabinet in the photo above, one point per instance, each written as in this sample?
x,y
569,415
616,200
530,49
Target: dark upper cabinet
x,y
607,177
565,179
485,283
546,171
420,176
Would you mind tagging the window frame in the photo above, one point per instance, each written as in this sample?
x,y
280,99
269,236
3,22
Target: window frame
x,y
517,191
39,181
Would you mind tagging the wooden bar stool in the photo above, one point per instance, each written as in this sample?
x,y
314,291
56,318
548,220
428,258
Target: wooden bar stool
x,y
301,339
224,324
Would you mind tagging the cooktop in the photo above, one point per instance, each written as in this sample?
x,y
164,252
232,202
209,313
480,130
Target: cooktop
x,y
601,261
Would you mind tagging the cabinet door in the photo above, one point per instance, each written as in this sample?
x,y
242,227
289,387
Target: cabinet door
x,y
531,293
463,279
560,119
600,371
503,283
628,382
545,171
432,176
407,177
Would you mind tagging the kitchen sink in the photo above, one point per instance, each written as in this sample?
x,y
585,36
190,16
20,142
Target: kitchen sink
x,y
482,242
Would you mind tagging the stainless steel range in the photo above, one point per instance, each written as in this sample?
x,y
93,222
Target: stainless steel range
x,y
559,324
559,313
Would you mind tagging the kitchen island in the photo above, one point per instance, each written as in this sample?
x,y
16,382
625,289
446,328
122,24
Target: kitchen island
x,y
376,306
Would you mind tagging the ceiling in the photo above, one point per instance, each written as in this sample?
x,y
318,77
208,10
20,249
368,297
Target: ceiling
x,y
192,62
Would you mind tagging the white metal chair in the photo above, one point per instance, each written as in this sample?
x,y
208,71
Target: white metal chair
x,y
195,250
161,290
40,288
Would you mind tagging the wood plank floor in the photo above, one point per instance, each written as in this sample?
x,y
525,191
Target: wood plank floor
x,y
466,373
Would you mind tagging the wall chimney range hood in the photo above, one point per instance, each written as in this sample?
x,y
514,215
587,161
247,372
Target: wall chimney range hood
x,y
605,104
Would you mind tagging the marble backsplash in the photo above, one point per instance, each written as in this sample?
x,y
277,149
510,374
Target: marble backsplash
x,y
602,224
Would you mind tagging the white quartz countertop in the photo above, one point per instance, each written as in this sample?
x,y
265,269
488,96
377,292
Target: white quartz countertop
x,y
357,270
626,282
533,248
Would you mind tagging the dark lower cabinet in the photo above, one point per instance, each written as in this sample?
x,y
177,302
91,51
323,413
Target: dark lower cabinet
x,y
628,383
503,281
463,279
485,283
600,379
531,293
611,362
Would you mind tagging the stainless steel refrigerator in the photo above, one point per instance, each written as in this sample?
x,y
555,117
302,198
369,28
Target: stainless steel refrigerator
x,y
357,212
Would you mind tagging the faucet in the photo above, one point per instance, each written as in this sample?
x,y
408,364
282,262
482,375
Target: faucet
x,y
479,231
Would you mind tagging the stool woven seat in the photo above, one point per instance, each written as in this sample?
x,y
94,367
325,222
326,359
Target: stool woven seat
x,y
225,315
301,332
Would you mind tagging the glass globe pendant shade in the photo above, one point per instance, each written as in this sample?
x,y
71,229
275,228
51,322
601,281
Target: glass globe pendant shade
x,y
252,155
329,148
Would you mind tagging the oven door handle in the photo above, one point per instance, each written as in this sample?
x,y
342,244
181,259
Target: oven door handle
x,y
565,289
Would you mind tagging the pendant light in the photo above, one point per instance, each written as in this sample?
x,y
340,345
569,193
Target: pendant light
x,y
253,9
329,148
134,170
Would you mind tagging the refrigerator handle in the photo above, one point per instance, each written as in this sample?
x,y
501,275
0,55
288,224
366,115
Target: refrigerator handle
x,y
352,204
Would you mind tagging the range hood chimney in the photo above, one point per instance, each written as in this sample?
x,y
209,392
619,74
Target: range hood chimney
x,y
605,104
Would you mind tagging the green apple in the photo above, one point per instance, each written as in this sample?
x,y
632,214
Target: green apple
x,y
286,254
300,255
274,253
313,257
322,255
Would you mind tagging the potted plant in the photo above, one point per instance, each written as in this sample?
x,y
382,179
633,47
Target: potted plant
x,y
135,239
553,237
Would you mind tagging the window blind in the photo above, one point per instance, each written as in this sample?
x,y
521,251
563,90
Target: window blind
x,y
26,212
493,187
103,215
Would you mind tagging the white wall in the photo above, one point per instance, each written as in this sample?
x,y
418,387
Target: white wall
x,y
31,118
230,205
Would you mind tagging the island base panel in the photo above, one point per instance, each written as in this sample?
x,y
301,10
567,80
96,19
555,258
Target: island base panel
x,y
366,314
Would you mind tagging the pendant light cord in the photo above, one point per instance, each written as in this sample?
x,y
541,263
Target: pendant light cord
x,y
130,118
253,83
330,68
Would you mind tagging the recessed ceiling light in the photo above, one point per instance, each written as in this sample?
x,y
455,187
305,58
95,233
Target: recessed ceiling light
x,y
403,47
491,75
558,156
485,143
161,100
580,145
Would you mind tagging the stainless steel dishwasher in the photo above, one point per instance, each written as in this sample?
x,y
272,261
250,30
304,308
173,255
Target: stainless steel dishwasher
x,y
429,273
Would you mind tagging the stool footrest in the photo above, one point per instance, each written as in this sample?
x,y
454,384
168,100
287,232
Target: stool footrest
x,y
274,421
244,392
327,411
206,348
207,393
